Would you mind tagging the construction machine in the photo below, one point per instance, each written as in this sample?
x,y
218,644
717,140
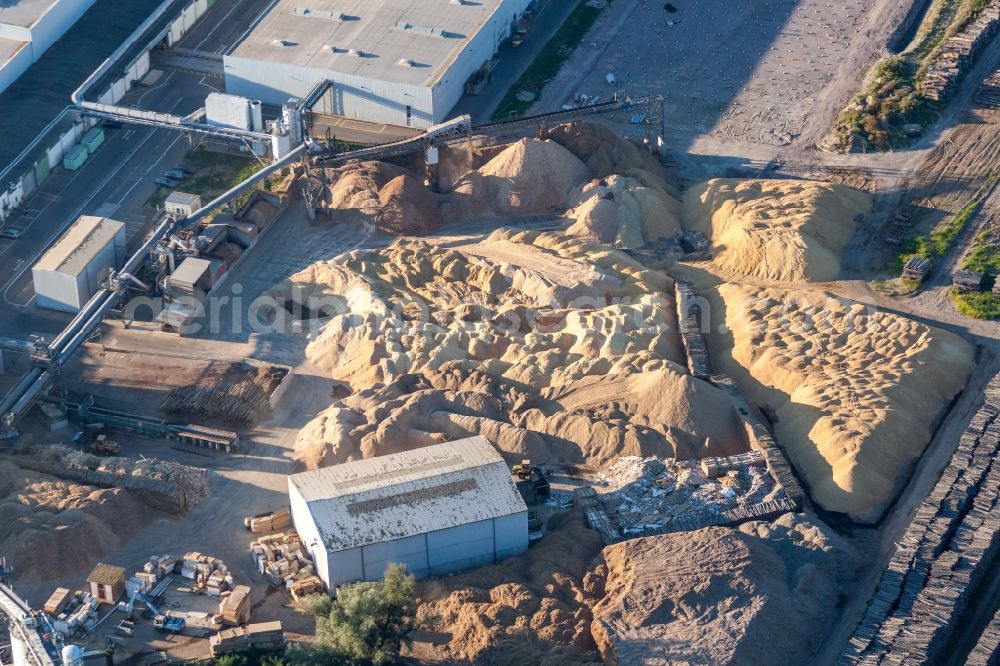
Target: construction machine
x,y
102,446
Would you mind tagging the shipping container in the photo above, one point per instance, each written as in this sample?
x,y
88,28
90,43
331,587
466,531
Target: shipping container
x,y
93,139
75,158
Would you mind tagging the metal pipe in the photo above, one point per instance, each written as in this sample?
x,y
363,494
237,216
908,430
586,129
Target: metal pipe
x,y
71,328
228,196
15,393
23,404
20,346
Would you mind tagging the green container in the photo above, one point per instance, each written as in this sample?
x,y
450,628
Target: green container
x,y
75,158
93,139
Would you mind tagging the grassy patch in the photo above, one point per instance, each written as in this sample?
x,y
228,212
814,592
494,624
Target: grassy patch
x,y
984,258
936,244
217,172
548,62
892,100
977,304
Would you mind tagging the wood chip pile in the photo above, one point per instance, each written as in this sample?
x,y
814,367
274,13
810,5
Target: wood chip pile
x,y
942,557
286,563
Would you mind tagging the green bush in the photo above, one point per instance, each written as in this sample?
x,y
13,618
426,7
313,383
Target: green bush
x,y
977,304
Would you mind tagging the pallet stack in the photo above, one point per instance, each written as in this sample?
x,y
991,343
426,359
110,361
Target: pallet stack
x,y
285,562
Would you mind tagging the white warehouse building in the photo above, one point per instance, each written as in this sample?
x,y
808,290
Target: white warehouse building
x,y
72,270
29,27
401,62
438,509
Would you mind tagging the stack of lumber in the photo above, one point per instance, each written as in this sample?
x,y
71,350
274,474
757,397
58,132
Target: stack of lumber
x,y
272,522
956,53
262,636
285,562
236,606
209,573
57,602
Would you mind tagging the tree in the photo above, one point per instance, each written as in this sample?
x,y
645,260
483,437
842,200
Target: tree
x,y
369,621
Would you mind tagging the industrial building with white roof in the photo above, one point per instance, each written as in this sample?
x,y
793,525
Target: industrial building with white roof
x,y
438,509
402,62
29,27
71,271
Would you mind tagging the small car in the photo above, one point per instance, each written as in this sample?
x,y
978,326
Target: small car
x,y
190,170
166,182
11,233
176,174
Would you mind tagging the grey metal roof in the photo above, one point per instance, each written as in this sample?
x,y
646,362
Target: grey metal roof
x,y
183,199
190,272
404,494
76,248
370,38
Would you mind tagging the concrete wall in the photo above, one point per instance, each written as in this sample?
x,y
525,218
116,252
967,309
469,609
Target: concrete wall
x,y
55,23
352,96
304,525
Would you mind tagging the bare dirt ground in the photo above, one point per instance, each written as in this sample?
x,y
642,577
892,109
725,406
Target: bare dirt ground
x,y
772,72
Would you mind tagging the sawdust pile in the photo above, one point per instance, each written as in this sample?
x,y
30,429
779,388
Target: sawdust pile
x,y
52,527
623,212
616,192
548,346
529,177
760,594
529,609
778,230
855,392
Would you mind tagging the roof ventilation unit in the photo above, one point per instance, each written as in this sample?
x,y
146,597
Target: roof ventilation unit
x,y
405,62
281,42
355,53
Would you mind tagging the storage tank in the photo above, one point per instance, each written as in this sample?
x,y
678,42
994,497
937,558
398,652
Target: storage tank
x,y
72,655
292,120
281,142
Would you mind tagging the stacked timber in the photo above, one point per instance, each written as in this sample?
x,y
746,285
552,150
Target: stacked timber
x,y
58,601
987,649
286,563
761,440
942,558
688,319
957,53
596,515
272,522
261,636
236,606
716,467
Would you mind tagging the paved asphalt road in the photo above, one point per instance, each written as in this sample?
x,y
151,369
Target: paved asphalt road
x,y
514,61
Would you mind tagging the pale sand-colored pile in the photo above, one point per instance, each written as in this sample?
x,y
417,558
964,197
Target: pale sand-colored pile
x,y
760,594
529,609
529,177
855,392
776,230
551,347
52,527
621,211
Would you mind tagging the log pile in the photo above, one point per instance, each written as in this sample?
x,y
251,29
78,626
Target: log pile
x,y
957,53
282,559
243,401
942,557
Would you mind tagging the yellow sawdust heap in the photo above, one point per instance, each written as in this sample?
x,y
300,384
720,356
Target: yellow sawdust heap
x,y
775,230
855,392
574,343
